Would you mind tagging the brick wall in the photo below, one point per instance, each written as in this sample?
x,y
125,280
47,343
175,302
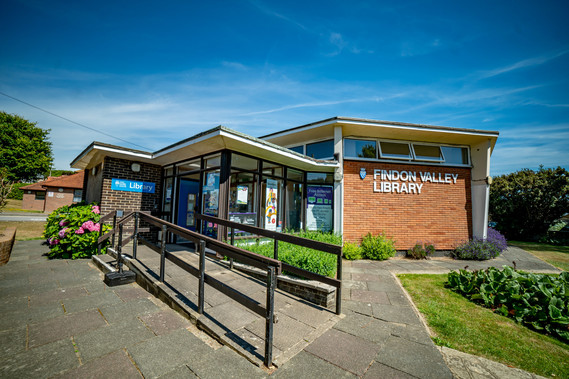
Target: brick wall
x,y
441,213
29,201
58,198
128,201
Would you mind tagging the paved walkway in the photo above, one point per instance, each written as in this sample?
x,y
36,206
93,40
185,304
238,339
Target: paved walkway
x,y
60,320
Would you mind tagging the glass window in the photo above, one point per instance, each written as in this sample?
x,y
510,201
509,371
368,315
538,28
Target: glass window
x,y
244,163
319,207
320,177
210,204
189,166
77,195
298,149
272,204
358,148
243,199
394,150
455,155
294,206
167,201
321,150
294,175
272,169
40,195
427,153
169,171
214,161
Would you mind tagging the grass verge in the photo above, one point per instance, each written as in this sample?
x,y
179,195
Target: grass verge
x,y
13,205
465,326
555,255
26,230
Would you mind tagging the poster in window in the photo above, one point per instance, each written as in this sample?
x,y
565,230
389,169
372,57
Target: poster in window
x,y
271,199
319,212
242,194
211,194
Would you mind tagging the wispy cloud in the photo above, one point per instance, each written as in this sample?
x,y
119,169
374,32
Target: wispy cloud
x,y
530,62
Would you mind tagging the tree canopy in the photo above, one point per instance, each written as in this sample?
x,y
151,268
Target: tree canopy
x,y
25,151
525,203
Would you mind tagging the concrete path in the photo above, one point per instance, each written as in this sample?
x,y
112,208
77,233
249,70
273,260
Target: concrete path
x,y
23,216
60,320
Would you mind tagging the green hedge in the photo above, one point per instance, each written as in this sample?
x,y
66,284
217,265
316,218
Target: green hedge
x,y
308,259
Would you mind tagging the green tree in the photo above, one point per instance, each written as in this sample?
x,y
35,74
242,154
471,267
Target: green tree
x,y
25,151
525,203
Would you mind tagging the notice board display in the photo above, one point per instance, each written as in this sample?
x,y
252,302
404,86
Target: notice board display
x,y
319,211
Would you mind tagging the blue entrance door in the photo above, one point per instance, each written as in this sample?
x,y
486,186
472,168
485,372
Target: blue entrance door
x,y
188,202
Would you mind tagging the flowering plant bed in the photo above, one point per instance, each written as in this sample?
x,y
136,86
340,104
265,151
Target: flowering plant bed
x,y
72,231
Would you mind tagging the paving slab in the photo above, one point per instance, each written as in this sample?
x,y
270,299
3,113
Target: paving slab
x,y
351,353
306,365
120,312
64,327
164,322
114,365
365,327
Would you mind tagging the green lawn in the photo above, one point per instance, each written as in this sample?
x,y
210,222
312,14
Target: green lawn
x,y
25,230
465,326
555,255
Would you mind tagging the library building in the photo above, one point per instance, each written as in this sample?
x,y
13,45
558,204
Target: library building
x,y
412,182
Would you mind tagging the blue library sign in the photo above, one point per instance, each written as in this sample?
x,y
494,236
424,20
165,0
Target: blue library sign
x,y
132,186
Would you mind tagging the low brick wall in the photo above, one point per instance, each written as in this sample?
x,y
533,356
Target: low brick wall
x,y
311,290
7,238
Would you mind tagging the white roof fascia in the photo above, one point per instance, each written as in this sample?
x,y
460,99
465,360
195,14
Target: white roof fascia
x,y
188,143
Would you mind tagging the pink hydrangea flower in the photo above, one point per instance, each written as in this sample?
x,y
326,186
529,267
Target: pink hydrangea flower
x,y
89,225
80,231
96,209
63,222
96,227
62,233
53,241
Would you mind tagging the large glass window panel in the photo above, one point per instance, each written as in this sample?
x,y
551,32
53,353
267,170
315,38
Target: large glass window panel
x,y
357,148
193,165
210,201
169,171
168,193
294,175
319,207
294,206
427,152
272,204
394,150
243,202
272,169
321,150
214,161
298,149
320,178
243,162
455,155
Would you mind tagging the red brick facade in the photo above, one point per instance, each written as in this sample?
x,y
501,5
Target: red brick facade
x,y
440,214
129,201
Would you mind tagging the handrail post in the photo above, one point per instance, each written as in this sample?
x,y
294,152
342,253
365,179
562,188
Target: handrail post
x,y
339,289
100,234
201,294
276,249
232,241
119,249
135,239
270,315
163,252
114,226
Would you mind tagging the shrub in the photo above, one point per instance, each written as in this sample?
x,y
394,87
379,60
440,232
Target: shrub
x,y
478,249
311,260
72,231
421,251
536,300
352,251
17,193
378,248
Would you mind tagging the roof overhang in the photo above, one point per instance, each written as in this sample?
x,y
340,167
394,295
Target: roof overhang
x,y
353,127
97,151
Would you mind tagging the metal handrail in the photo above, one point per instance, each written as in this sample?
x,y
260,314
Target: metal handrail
x,y
304,242
273,267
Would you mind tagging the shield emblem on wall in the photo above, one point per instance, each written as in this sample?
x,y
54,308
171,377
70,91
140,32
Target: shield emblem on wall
x,y
362,173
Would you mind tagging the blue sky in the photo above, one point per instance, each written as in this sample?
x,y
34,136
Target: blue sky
x,y
153,73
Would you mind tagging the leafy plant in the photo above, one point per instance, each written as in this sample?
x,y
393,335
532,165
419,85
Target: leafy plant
x,y
479,249
72,231
378,248
312,260
352,251
421,251
538,301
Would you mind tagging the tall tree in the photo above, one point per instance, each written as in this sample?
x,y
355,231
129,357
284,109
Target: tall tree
x,y
25,151
525,203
